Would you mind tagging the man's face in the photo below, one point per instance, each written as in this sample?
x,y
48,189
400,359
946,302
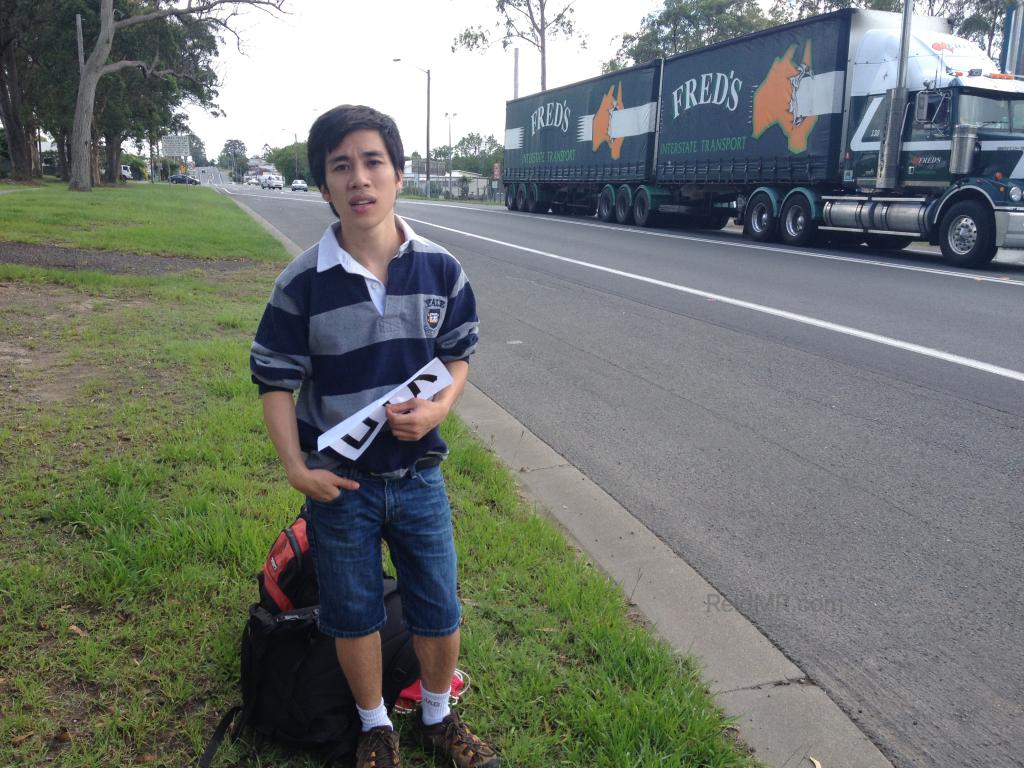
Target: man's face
x,y
361,182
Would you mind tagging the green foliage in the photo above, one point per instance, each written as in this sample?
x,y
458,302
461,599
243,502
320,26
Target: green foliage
x,y
684,25
197,149
234,158
137,163
291,161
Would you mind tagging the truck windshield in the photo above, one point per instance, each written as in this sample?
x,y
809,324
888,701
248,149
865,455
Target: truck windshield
x,y
993,113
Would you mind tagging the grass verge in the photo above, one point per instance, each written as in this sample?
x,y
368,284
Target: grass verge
x,y
141,495
161,219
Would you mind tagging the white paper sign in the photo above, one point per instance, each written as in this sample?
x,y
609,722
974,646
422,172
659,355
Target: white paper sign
x,y
354,435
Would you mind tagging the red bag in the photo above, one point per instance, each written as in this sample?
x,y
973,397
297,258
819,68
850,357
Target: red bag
x,y
288,579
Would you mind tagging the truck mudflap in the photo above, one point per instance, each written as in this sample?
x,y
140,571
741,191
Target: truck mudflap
x,y
1009,228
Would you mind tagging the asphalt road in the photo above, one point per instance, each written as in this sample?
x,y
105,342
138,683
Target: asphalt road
x,y
832,438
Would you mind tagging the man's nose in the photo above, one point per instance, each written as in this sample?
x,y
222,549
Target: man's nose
x,y
360,176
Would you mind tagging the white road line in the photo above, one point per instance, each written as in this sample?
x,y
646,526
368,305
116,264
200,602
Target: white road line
x,y
906,346
732,244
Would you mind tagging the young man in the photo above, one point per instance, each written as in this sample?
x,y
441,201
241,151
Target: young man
x,y
348,321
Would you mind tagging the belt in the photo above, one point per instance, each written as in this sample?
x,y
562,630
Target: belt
x,y
426,462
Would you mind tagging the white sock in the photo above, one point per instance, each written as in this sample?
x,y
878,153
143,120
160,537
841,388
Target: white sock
x,y
371,718
435,707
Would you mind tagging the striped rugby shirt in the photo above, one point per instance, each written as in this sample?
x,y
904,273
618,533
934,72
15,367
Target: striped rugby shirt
x,y
322,334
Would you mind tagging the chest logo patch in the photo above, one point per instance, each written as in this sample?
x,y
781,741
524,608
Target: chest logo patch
x,y
433,313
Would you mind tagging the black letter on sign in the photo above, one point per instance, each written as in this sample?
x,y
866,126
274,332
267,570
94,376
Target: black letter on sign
x,y
428,377
357,444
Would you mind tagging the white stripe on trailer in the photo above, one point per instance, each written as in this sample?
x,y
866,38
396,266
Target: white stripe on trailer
x,y
634,121
820,94
513,138
585,128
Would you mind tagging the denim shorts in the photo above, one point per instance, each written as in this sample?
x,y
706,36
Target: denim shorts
x,y
413,516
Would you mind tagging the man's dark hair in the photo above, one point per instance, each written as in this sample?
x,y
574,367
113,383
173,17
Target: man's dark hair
x,y
331,128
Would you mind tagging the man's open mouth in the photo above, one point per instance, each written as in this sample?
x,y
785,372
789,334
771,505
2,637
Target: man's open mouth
x,y
362,203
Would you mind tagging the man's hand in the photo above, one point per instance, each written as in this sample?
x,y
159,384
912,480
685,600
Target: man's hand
x,y
414,418
320,484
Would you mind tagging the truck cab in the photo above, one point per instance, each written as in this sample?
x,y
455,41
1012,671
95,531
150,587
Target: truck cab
x,y
961,155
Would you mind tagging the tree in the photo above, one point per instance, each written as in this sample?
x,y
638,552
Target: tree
x,y
21,21
234,157
683,25
197,149
212,14
291,161
531,21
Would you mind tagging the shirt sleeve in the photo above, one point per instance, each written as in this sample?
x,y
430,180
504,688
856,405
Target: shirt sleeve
x,y
460,330
279,358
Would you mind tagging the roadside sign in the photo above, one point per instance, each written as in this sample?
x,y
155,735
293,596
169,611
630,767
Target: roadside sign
x,y
174,145
497,171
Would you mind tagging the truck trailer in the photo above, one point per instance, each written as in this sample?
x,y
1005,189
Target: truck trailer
x,y
798,132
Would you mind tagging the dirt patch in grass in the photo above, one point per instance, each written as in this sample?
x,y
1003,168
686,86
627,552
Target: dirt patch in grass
x,y
33,368
114,262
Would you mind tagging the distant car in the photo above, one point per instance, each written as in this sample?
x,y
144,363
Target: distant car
x,y
299,185
181,178
275,182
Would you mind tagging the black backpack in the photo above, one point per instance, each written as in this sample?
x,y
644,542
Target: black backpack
x,y
293,690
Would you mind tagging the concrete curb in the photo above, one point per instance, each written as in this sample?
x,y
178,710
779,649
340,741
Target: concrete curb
x,y
289,245
781,715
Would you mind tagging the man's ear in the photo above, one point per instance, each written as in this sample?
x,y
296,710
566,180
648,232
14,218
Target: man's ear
x,y
399,178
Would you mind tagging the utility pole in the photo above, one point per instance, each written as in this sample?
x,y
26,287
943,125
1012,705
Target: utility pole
x,y
451,150
427,73
296,155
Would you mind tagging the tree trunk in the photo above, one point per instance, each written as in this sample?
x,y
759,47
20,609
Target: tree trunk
x,y
112,150
11,114
81,136
542,37
63,165
37,159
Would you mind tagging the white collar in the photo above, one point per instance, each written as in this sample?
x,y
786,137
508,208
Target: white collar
x,y
330,254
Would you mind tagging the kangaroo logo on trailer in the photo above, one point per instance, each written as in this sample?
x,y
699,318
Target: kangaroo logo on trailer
x,y
775,101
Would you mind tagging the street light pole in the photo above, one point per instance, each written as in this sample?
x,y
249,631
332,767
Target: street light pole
x,y
296,154
427,73
450,117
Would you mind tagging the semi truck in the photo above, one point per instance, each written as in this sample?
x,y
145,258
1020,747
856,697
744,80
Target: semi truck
x,y
800,133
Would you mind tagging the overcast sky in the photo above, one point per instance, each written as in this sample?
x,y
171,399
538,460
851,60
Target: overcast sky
x,y
330,52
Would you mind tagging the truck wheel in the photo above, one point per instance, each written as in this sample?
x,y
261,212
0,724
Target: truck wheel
x,y
532,198
642,213
521,197
510,196
624,205
606,205
965,235
887,242
798,226
761,222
